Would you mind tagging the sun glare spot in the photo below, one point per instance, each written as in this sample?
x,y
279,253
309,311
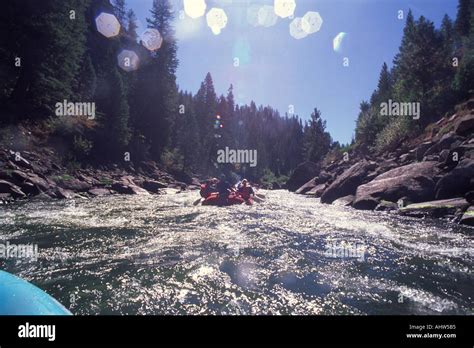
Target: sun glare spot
x,y
296,29
151,39
195,8
252,15
339,41
312,22
284,8
266,16
107,24
128,60
216,20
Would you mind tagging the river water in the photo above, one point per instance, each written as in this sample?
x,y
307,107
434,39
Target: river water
x,y
289,255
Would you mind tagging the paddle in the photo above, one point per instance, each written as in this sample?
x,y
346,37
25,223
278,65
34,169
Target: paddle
x,y
198,201
258,200
261,195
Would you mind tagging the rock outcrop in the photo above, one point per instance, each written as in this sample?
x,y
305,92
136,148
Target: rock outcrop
x,y
301,175
347,183
457,182
414,181
436,209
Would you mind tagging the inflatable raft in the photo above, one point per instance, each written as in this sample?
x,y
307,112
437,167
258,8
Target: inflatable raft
x,y
18,297
214,199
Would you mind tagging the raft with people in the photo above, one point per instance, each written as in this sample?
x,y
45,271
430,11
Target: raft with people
x,y
220,192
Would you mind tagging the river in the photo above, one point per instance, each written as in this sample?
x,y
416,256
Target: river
x,y
289,255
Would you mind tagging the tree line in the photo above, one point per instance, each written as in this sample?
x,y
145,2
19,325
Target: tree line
x,y
434,67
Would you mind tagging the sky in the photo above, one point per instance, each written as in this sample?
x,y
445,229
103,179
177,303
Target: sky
x,y
278,70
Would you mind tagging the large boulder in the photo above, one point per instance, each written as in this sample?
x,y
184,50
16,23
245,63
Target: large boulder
x,y
30,183
153,186
470,197
11,189
344,201
436,209
465,125
468,217
301,175
386,206
61,193
347,183
99,191
413,181
421,149
73,184
446,142
457,182
128,189
317,191
306,187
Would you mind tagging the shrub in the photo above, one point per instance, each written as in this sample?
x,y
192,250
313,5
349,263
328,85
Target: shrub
x,y
391,136
172,161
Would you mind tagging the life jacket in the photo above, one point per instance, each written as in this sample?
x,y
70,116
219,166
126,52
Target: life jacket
x,y
245,192
205,191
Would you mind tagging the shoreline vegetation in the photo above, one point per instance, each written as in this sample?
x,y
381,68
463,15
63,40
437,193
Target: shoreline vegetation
x,y
412,152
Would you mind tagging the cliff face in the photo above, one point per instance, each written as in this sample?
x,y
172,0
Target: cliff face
x,y
433,168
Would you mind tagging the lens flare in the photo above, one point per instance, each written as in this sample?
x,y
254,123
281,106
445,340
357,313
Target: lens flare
x,y
195,8
128,60
284,8
296,29
151,39
252,15
241,50
107,24
216,20
266,16
312,22
339,41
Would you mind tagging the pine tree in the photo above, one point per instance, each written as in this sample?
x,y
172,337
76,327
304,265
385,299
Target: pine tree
x,y
206,109
448,33
384,88
47,75
367,126
87,80
114,134
464,79
316,139
121,12
132,25
422,69
463,18
155,99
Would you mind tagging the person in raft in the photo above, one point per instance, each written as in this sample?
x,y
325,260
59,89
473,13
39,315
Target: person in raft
x,y
224,188
209,187
246,191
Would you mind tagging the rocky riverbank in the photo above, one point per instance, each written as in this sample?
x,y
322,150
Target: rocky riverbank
x,y
40,172
428,176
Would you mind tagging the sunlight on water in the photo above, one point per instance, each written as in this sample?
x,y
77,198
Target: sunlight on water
x,y
161,254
